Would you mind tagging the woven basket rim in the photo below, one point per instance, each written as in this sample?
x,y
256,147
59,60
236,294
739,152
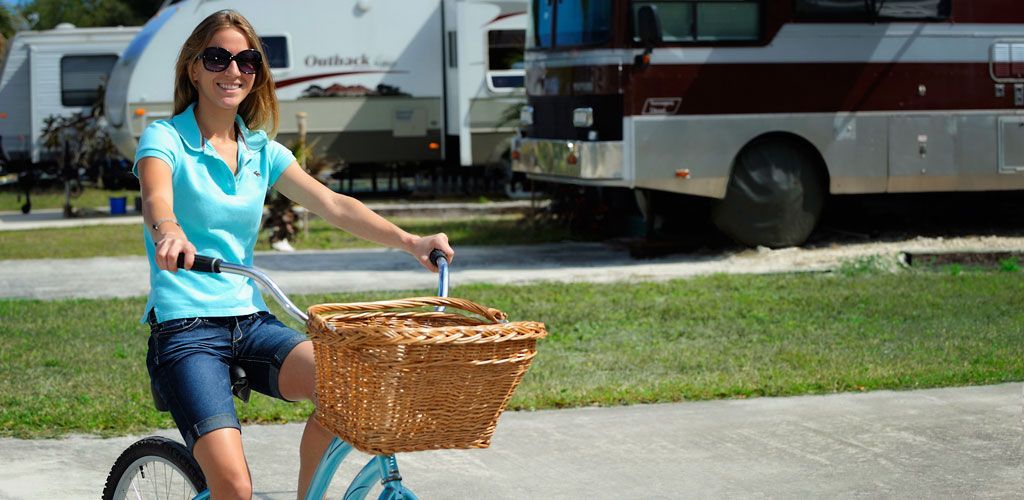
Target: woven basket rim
x,y
461,334
465,306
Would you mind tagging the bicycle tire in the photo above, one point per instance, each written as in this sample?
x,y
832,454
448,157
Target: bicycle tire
x,y
154,466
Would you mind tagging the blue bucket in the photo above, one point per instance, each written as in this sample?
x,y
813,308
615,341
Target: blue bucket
x,y
117,205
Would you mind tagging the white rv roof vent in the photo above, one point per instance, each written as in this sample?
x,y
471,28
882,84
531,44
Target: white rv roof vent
x,y
64,26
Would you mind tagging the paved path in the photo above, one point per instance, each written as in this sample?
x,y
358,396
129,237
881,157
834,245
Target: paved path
x,y
353,270
381,269
942,443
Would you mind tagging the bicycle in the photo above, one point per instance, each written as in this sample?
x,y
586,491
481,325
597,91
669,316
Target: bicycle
x,y
166,469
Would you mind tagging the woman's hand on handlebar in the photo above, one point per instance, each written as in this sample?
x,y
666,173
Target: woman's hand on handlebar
x,y
168,248
423,245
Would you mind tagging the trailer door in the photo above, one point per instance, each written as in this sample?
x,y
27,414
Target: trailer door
x,y
480,88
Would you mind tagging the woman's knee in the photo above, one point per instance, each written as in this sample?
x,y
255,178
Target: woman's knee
x,y
222,460
232,488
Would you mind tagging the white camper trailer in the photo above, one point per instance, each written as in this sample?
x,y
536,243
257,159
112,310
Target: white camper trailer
x,y
52,72
382,81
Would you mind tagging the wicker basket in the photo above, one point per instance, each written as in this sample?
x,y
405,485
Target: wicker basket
x,y
392,381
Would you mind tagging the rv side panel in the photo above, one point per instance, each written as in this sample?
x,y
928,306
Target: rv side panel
x,y
53,73
368,78
16,102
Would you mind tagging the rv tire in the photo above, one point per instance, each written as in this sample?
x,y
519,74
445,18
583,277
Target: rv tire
x,y
774,197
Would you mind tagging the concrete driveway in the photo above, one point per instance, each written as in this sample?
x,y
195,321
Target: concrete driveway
x,y
940,443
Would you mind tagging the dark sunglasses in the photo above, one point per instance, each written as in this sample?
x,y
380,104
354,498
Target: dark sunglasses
x,y
217,59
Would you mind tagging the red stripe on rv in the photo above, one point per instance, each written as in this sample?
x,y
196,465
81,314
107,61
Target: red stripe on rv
x,y
817,88
987,11
499,17
964,11
293,81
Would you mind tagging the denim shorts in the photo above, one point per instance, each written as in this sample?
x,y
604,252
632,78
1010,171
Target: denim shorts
x,y
189,361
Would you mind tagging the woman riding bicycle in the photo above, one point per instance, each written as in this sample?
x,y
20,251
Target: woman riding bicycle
x,y
204,175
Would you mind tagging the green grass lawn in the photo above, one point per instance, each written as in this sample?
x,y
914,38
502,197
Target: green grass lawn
x,y
11,200
78,365
119,240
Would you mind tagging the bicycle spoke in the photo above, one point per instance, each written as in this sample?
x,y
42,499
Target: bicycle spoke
x,y
162,479
135,488
167,482
154,468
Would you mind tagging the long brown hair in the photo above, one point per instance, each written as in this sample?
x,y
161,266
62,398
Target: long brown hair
x,y
259,109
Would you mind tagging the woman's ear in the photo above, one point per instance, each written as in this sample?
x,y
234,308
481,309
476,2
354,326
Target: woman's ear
x,y
193,72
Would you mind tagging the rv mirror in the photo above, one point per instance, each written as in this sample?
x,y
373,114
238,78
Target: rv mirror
x,y
648,25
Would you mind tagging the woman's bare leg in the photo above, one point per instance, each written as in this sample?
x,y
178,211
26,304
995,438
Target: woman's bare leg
x,y
220,455
298,382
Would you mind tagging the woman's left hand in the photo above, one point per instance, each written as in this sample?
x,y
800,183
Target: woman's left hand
x,y
423,245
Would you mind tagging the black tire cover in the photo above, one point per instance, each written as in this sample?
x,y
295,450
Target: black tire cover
x,y
774,197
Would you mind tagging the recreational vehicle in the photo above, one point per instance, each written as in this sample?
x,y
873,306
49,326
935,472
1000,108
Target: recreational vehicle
x,y
767,107
54,72
382,82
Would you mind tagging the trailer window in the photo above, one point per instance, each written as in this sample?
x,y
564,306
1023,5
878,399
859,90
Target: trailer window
x,y
505,71
704,21
81,77
276,48
676,20
505,49
861,10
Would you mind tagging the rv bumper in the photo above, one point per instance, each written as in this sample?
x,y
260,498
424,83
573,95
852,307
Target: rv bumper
x,y
570,160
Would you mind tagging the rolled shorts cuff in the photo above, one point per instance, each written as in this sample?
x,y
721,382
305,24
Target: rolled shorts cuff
x,y
208,425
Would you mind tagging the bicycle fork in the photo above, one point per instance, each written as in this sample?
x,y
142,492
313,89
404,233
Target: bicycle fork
x,y
383,468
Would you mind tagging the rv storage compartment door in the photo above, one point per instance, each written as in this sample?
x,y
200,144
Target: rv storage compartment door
x,y
1011,144
921,151
410,123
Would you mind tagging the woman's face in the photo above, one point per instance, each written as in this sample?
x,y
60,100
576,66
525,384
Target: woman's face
x,y
226,89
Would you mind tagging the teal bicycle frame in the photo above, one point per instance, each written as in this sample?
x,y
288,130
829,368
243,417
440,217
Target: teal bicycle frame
x,y
381,468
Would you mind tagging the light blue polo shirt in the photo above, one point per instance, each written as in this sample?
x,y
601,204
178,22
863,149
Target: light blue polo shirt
x,y
219,212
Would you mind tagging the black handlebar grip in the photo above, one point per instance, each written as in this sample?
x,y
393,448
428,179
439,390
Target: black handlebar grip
x,y
201,263
436,254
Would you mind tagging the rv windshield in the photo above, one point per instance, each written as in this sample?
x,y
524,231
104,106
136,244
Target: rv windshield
x,y
568,23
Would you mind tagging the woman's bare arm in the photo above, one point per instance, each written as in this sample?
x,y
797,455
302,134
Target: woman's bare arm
x,y
351,215
158,208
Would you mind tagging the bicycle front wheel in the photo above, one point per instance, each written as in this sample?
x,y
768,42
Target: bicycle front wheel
x,y
154,467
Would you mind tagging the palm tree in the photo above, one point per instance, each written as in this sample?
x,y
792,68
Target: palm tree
x,y
10,22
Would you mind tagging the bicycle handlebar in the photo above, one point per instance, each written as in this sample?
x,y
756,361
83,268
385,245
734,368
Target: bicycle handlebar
x,y
438,259
204,264
201,263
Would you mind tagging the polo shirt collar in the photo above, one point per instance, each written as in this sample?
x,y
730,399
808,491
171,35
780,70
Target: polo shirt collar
x,y
254,140
188,128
